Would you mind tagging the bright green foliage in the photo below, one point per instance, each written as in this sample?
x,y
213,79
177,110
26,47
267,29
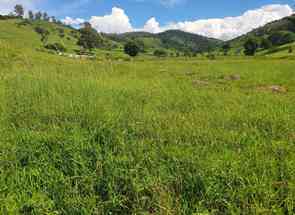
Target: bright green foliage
x,y
89,38
151,136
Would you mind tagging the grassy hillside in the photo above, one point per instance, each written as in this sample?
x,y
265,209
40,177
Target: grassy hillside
x,y
149,136
286,24
23,35
171,40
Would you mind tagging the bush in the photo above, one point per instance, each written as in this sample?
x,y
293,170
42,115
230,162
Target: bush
x,y
24,23
56,47
43,32
211,56
61,32
160,53
131,49
6,17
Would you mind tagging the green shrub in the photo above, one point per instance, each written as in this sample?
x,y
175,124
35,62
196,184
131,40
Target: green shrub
x,y
131,49
160,53
56,47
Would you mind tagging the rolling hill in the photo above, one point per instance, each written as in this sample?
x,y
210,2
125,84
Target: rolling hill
x,y
172,39
284,27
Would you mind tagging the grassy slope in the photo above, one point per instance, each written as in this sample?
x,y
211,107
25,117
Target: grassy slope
x,y
88,137
25,37
172,41
285,24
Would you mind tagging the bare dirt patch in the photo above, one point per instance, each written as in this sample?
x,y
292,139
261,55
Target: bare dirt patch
x,y
273,89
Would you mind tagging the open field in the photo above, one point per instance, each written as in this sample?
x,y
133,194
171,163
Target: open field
x,y
169,136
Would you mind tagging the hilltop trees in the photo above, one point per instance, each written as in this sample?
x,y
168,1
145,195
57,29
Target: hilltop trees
x,y
251,45
89,38
45,16
31,15
131,48
38,16
19,10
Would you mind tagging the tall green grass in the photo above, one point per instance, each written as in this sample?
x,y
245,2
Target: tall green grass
x,y
144,137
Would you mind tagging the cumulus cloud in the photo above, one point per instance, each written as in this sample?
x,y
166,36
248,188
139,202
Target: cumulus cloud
x,y
222,28
71,21
152,26
116,22
230,27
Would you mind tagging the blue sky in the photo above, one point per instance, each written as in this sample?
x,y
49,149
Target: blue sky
x,y
141,10
196,16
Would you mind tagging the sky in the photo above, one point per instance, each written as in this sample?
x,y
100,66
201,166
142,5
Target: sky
x,y
221,19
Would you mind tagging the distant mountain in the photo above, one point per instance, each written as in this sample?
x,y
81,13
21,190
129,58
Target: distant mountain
x,y
172,39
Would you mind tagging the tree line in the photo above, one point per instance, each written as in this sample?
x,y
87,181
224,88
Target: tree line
x,y
19,12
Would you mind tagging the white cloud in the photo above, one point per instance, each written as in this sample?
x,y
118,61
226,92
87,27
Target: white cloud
x,y
152,26
116,22
7,6
71,21
223,28
230,27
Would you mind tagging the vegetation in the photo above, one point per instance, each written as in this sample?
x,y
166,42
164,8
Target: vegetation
x,y
89,38
265,43
19,10
160,53
185,135
281,38
178,41
226,48
43,32
131,48
250,46
56,47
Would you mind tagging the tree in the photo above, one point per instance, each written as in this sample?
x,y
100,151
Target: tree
x,y
250,46
43,32
53,19
89,38
45,16
160,53
265,43
140,45
31,15
38,15
226,47
56,47
131,49
19,10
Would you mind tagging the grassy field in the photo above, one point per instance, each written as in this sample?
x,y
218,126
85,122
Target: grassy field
x,y
170,136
